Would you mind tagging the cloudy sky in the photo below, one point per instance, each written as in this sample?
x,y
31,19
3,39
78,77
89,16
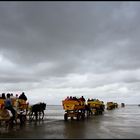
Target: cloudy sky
x,y
51,50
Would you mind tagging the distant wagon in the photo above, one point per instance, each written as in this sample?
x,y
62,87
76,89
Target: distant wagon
x,y
96,106
122,105
110,105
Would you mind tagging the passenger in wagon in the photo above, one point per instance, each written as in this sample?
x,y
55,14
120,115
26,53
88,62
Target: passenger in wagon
x,y
9,106
23,96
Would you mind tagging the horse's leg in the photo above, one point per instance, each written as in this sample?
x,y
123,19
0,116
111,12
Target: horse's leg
x,y
42,114
36,115
31,116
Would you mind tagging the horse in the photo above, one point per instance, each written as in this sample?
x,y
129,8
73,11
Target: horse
x,y
88,110
37,110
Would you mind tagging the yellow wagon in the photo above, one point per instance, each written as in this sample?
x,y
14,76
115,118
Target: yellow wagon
x,y
97,107
111,105
73,109
21,108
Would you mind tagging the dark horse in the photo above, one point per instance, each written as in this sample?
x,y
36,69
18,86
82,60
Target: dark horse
x,y
37,110
88,110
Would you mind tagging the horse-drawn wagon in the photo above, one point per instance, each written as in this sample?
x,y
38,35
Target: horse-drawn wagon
x,y
122,104
96,106
111,105
21,108
73,109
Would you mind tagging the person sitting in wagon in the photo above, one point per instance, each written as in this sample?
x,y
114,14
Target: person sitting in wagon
x,y
8,105
23,96
67,98
22,101
82,99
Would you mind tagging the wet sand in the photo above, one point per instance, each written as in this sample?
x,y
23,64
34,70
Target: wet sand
x,y
121,123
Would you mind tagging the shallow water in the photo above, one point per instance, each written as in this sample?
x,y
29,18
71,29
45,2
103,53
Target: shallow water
x,y
120,123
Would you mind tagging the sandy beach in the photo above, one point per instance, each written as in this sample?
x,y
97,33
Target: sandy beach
x,y
120,123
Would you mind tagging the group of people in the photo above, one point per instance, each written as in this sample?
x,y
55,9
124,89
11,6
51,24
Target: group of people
x,y
92,99
80,100
75,98
21,96
9,101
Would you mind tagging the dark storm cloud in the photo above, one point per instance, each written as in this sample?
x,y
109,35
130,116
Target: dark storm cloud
x,y
49,31
37,32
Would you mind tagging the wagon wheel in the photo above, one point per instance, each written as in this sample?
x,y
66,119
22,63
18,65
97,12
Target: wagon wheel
x,y
65,116
78,116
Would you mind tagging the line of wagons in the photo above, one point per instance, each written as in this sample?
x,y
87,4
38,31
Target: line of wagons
x,y
77,109
73,109
23,111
